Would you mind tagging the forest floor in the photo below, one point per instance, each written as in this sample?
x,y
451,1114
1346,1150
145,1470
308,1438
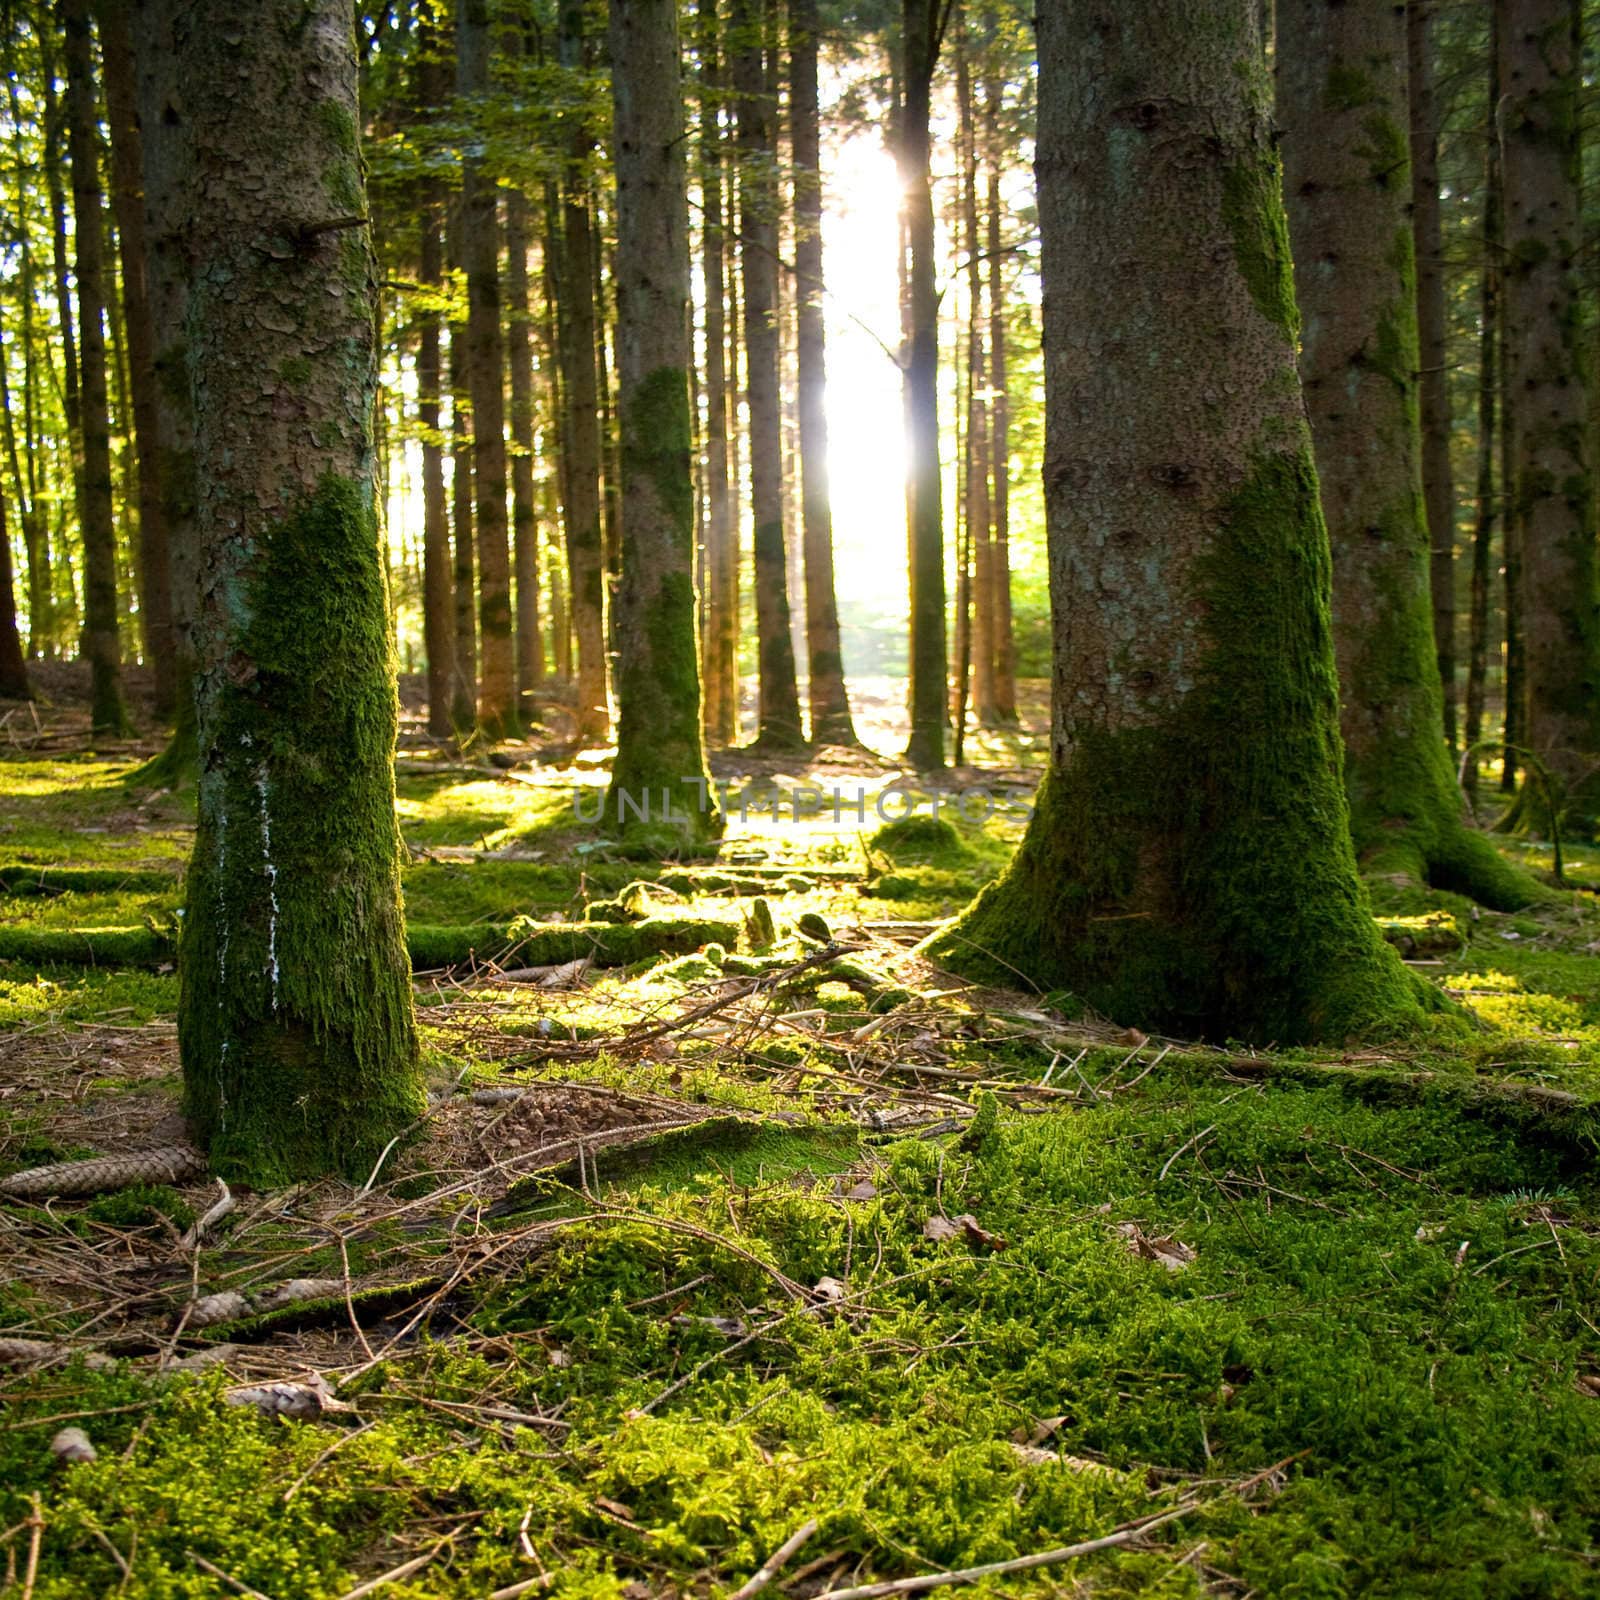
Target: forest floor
x,y
780,1229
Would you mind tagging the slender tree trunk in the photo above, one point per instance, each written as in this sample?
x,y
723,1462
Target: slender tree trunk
x,y
13,669
585,542
721,635
1227,904
1552,498
524,507
1433,386
555,482
438,601
610,471
1489,382
830,702
1005,646
661,762
127,167
1516,680
779,721
1347,184
107,711
480,247
295,1019
979,539
464,571
925,511
166,217
55,162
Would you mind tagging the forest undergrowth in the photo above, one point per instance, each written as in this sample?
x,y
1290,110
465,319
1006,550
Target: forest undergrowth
x,y
734,1221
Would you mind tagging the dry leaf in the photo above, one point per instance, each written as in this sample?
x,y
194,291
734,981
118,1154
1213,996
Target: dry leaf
x,y
939,1228
1172,1253
831,1290
1133,1036
1587,1384
614,1508
865,1190
978,1235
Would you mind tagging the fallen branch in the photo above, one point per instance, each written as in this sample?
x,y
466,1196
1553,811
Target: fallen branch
x,y
775,1563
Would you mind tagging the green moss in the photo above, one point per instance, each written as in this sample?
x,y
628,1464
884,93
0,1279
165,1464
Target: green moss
x,y
295,1019
1252,209
1227,903
920,839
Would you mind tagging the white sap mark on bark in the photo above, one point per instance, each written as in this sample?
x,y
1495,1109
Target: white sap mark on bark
x,y
272,881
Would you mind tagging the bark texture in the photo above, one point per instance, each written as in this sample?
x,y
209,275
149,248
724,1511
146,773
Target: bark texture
x,y
295,1018
661,763
1552,494
1342,102
1433,387
480,231
924,501
524,507
108,713
829,700
779,716
438,604
1188,866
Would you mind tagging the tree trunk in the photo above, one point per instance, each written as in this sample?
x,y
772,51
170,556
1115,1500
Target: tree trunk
x,y
65,326
295,1018
524,508
979,539
1540,73
1226,904
585,542
1005,645
480,248
1342,102
438,600
721,635
661,764
127,192
1433,387
1484,518
924,507
1511,538
13,669
464,569
107,712
830,702
779,723
166,219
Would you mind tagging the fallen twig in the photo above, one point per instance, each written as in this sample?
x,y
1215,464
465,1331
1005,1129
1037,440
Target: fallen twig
x,y
775,1563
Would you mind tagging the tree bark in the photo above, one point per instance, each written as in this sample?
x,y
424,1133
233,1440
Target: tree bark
x,y
580,394
1485,517
1553,499
108,713
524,507
1225,902
830,701
979,537
1342,101
438,604
1433,388
464,566
13,668
295,1017
661,763
480,241
779,719
924,506
721,634
127,192
1005,646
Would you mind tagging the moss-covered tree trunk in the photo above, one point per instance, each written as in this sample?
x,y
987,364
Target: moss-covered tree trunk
x,y
720,654
108,713
1188,866
929,657
581,398
1552,495
1342,103
524,504
480,242
127,193
659,784
295,1018
13,668
1433,373
829,701
779,711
